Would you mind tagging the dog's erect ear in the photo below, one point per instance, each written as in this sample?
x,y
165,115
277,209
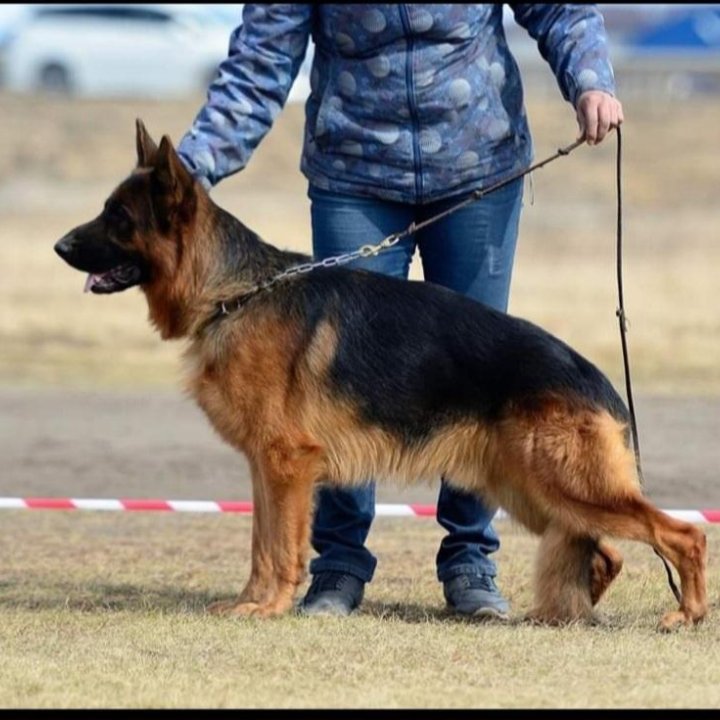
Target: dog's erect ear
x,y
146,147
170,172
172,186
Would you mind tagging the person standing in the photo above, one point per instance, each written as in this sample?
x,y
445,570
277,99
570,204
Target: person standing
x,y
412,107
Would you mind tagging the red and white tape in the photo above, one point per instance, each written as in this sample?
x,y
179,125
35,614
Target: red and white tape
x,y
245,508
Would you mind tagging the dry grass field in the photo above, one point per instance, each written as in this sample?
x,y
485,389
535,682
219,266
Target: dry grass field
x,y
106,610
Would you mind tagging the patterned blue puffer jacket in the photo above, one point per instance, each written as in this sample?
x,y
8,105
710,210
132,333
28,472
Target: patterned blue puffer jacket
x,y
409,102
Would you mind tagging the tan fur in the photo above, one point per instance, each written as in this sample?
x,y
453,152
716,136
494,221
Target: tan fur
x,y
562,578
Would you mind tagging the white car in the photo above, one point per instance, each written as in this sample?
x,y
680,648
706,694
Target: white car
x,y
122,50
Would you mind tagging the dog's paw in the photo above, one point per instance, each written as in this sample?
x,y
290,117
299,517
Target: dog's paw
x,y
549,619
238,608
233,608
675,620
535,617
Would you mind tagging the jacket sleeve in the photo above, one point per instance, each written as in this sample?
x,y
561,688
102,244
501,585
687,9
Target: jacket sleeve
x,y
251,87
572,39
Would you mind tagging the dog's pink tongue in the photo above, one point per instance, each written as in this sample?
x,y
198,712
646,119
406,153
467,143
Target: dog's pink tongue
x,y
91,280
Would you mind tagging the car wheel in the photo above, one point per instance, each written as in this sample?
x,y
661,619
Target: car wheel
x,y
54,79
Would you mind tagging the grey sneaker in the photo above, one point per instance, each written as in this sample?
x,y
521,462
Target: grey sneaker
x,y
332,593
476,596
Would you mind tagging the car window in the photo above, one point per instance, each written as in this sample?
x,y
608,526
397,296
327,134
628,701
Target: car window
x,y
107,13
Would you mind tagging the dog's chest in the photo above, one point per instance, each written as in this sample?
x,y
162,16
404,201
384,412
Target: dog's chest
x,y
218,390
239,383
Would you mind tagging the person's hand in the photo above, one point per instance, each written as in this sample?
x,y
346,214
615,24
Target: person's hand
x,y
597,112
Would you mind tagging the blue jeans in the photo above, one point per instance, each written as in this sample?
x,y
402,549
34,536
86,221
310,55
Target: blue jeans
x,y
471,251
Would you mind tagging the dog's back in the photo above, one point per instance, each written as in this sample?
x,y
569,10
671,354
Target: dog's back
x,y
414,355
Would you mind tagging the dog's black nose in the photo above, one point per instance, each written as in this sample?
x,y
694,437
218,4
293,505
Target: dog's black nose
x,y
63,247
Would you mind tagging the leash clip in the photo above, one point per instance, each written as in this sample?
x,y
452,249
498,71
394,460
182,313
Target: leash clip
x,y
394,239
622,317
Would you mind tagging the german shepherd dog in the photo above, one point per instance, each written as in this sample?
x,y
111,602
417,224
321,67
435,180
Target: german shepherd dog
x,y
340,375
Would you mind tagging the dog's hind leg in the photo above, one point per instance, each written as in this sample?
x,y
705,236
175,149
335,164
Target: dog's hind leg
x,y
571,575
606,564
577,469
563,578
599,495
683,544
633,517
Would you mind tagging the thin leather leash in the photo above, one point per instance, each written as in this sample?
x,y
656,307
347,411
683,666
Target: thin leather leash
x,y
622,322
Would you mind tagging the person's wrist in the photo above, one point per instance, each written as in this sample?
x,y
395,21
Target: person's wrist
x,y
590,91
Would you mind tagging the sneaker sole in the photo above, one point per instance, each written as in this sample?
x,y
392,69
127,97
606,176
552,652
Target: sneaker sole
x,y
482,613
487,613
326,609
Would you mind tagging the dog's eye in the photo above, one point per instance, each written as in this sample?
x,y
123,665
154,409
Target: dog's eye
x,y
119,220
119,214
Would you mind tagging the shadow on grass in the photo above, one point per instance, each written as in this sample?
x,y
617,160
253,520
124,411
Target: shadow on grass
x,y
173,600
126,597
104,597
412,613
418,614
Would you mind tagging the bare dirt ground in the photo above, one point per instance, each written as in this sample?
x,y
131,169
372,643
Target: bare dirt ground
x,y
100,444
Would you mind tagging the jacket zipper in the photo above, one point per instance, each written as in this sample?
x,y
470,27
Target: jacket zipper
x,y
412,101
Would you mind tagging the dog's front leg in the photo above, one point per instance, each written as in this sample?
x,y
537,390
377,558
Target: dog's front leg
x,y
283,496
260,585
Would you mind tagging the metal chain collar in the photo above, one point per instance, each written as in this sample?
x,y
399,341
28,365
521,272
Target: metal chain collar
x,y
329,262
334,261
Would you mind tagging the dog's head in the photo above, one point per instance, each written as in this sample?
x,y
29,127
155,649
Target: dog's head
x,y
138,235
